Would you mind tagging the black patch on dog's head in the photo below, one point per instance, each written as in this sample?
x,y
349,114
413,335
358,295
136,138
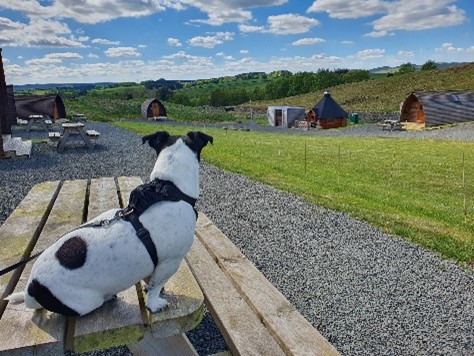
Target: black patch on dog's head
x,y
159,140
196,141
73,252
48,300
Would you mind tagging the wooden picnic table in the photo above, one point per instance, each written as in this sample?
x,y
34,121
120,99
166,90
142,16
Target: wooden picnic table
x,y
50,210
38,120
392,124
73,129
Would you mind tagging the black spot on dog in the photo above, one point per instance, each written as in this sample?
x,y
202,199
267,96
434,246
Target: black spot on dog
x,y
73,252
48,300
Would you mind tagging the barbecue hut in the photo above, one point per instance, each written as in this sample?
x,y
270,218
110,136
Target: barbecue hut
x,y
329,114
153,108
284,116
438,108
51,105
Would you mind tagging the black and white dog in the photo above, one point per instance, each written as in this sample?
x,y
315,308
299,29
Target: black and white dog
x,y
90,265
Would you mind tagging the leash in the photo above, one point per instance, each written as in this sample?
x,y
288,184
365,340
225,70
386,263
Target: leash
x,y
141,198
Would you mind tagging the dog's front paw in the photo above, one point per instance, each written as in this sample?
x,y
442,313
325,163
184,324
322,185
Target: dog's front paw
x,y
156,305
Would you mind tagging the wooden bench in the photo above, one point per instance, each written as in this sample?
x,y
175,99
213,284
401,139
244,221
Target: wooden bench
x,y
47,212
93,134
252,315
54,136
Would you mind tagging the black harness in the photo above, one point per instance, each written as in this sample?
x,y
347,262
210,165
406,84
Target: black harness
x,y
144,196
141,198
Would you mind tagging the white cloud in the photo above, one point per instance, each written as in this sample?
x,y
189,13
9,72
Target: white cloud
x,y
371,53
290,24
103,41
92,55
449,48
38,33
122,52
349,9
286,24
211,41
174,42
377,34
405,54
405,15
244,51
308,41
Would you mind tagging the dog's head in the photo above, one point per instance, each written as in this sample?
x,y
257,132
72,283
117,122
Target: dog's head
x,y
195,140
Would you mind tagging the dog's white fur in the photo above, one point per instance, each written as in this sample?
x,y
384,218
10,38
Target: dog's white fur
x,y
116,258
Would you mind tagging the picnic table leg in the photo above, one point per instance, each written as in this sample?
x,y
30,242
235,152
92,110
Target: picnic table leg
x,y
62,141
85,138
28,127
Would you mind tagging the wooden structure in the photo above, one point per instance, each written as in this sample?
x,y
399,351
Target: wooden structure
x,y
153,108
3,106
329,114
252,315
50,105
284,116
438,107
50,210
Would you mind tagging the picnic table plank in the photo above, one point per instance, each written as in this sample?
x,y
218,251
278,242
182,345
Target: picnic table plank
x,y
118,322
294,334
188,296
22,226
244,333
43,331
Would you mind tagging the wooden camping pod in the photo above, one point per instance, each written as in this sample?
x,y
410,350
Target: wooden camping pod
x,y
152,108
438,108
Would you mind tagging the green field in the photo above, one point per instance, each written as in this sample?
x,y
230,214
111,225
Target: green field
x,y
411,188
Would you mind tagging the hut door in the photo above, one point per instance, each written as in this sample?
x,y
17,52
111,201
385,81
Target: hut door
x,y
278,117
420,115
155,109
55,112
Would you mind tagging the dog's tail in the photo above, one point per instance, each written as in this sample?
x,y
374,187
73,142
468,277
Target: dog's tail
x,y
16,298
22,297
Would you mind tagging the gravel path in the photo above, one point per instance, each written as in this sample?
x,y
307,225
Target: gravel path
x,y
367,292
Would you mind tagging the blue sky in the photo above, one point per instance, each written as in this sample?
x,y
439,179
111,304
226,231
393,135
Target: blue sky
x,y
64,41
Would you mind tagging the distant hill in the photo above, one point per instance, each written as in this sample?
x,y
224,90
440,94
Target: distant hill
x,y
441,65
58,86
386,94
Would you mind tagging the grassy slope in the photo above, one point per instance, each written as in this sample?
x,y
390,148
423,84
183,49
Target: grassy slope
x,y
412,188
384,95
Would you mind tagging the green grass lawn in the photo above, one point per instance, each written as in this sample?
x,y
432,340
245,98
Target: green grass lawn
x,y
409,187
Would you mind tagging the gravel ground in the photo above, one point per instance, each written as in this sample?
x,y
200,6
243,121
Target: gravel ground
x,y
367,292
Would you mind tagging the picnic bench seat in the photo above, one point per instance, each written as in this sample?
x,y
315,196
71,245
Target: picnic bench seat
x,y
252,315
47,212
93,134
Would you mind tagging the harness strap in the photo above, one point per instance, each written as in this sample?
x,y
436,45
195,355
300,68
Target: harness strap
x,y
142,233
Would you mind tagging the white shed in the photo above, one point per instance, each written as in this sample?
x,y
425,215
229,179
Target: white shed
x,y
284,116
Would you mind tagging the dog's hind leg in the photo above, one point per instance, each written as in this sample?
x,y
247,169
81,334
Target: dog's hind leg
x,y
160,276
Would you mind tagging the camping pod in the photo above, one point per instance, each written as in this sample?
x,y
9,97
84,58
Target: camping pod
x,y
284,116
50,105
153,108
329,114
431,108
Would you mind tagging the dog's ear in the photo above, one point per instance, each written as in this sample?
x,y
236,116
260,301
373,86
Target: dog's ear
x,y
156,140
197,140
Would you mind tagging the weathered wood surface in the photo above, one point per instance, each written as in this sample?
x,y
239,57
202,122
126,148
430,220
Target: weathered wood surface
x,y
186,308
120,321
294,334
177,345
243,331
23,226
43,331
